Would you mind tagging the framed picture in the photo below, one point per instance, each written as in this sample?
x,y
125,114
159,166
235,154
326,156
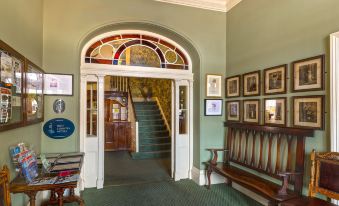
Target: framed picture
x,y
58,84
213,85
251,110
34,77
275,111
308,111
233,86
275,80
251,84
213,107
233,112
308,74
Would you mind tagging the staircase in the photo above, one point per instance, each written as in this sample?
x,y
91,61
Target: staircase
x,y
154,138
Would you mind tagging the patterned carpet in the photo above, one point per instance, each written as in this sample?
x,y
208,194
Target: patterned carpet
x,y
166,193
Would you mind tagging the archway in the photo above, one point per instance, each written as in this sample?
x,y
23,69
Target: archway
x,y
94,70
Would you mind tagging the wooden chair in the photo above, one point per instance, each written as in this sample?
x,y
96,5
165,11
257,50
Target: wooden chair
x,y
5,198
324,180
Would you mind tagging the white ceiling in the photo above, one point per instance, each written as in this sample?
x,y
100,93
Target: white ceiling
x,y
215,5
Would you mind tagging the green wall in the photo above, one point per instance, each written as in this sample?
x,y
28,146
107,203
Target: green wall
x,y
69,24
266,33
21,28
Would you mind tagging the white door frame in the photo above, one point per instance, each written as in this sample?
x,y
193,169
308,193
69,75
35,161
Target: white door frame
x,y
334,106
90,70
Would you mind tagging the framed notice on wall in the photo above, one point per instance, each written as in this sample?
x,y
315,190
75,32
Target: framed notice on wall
x,y
58,84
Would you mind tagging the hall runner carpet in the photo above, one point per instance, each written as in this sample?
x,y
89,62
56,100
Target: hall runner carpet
x,y
166,193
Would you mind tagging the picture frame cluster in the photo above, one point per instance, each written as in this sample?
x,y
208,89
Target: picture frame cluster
x,y
307,111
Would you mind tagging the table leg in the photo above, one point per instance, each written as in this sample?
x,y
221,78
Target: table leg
x,y
31,195
60,193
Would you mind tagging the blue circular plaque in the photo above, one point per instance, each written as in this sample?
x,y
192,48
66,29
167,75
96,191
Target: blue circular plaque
x,y
59,128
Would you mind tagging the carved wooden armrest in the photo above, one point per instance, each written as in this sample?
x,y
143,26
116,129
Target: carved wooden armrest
x,y
285,176
215,154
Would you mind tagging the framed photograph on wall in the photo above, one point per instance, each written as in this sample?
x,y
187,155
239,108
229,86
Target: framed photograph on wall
x,y
308,74
58,84
213,107
251,84
275,111
251,110
233,86
275,80
308,111
233,111
213,85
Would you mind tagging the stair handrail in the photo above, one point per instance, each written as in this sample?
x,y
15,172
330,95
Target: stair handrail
x,y
163,115
136,120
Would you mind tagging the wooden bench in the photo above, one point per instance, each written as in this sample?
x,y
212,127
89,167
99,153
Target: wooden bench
x,y
254,151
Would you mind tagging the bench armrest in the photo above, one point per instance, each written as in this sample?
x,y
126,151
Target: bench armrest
x,y
285,176
215,154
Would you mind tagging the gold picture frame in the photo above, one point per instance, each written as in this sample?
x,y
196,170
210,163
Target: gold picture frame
x,y
275,111
275,80
213,85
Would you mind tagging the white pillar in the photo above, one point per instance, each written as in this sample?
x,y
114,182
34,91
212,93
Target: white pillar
x,y
101,130
83,91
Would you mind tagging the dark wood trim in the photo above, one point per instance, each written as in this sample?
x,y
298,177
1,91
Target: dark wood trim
x,y
68,95
259,113
259,83
239,85
285,109
240,110
275,130
322,58
284,79
322,112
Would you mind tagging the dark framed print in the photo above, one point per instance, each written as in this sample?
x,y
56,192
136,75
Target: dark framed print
x,y
275,111
213,107
308,111
233,86
251,110
233,111
251,84
308,74
275,80
213,85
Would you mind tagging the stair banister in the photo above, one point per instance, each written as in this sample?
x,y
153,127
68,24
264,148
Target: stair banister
x,y
136,120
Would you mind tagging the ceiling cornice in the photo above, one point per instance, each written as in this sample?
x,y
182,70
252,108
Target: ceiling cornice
x,y
215,5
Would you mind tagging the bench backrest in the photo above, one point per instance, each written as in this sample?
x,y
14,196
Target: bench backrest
x,y
268,150
5,198
325,174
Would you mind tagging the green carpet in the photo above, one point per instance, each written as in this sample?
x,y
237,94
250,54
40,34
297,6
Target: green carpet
x,y
121,169
181,193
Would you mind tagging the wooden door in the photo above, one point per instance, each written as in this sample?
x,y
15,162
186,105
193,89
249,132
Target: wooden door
x,y
117,136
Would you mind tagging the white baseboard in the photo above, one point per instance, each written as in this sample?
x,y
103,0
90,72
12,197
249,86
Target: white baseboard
x,y
200,177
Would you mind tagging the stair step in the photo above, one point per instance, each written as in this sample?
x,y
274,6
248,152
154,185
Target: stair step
x,y
150,155
152,134
147,112
146,107
155,147
156,140
150,122
145,103
149,117
149,128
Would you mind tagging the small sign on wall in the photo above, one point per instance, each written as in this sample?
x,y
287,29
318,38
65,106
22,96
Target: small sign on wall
x,y
59,128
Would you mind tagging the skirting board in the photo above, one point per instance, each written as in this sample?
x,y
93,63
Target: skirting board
x,y
200,177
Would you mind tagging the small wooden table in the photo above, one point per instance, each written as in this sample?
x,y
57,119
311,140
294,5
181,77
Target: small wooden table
x,y
19,185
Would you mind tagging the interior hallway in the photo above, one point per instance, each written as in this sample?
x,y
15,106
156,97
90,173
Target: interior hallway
x,y
121,169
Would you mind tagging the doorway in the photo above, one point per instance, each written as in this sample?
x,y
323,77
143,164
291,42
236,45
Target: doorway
x,y
148,103
113,54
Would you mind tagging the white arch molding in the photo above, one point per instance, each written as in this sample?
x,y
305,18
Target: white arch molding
x,y
182,145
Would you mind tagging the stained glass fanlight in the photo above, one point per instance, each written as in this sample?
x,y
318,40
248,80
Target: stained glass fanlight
x,y
136,50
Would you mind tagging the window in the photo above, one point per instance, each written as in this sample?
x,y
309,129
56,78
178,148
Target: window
x,y
136,50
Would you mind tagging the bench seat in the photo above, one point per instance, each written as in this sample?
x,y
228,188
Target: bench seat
x,y
250,181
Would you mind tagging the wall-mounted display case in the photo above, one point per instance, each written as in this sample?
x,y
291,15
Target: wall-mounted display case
x,y
21,90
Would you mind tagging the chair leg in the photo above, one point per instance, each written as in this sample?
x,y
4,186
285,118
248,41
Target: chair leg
x,y
209,172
